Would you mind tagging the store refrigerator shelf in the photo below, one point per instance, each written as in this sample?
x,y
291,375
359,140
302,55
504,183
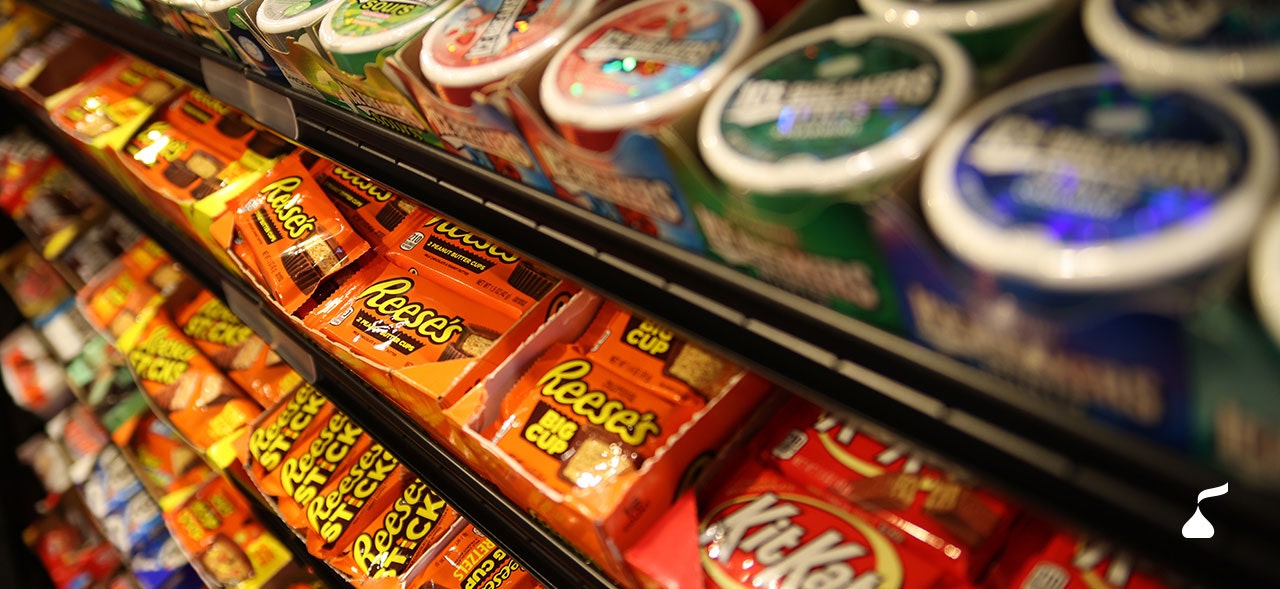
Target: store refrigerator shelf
x,y
1103,480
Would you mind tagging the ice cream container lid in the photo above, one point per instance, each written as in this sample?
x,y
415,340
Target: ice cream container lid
x,y
1264,274
285,16
1202,41
646,61
956,16
481,41
218,5
1074,181
361,26
834,107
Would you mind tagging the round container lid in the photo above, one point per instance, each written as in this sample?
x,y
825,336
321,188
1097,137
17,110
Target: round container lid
x,y
218,5
360,26
481,41
1072,181
834,107
277,17
955,16
1219,40
1264,274
646,61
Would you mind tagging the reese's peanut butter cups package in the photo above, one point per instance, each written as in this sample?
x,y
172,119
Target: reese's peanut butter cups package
x,y
435,245
280,430
321,455
958,524
201,402
650,354
114,298
373,209
575,424
338,508
296,235
414,518
123,92
473,560
761,530
148,260
396,318
234,348
217,528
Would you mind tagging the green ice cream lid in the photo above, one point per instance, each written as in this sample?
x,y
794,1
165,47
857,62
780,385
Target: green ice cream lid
x,y
834,107
956,16
361,26
285,16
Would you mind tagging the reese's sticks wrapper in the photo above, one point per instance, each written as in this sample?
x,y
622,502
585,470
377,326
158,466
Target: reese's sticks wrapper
x,y
201,402
473,561
435,245
415,518
398,319
325,450
373,209
651,354
296,235
761,530
280,431
952,520
334,513
575,424
234,348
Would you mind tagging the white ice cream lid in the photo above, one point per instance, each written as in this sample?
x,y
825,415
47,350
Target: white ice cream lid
x,y
955,16
1073,181
1264,274
646,61
1230,41
218,5
834,107
481,41
285,16
361,26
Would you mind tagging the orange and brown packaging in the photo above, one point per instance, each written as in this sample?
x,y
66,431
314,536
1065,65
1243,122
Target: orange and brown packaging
x,y
574,423
385,549
955,522
339,506
321,454
234,348
433,245
296,235
399,319
113,300
124,91
653,355
201,402
472,560
761,530
373,209
279,431
216,527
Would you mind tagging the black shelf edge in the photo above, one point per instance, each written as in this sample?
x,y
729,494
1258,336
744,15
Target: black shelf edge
x,y
1103,480
547,557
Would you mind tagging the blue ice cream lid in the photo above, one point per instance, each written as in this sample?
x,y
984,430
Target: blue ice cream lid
x,y
1228,41
1078,181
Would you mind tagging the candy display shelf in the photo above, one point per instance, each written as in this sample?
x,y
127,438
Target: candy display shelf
x,y
1102,480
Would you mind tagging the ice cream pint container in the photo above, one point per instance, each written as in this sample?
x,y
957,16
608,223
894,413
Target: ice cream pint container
x,y
810,131
1264,274
1077,182
233,19
644,64
282,20
484,41
358,31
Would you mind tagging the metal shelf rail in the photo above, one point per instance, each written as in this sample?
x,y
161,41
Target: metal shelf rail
x,y
1106,481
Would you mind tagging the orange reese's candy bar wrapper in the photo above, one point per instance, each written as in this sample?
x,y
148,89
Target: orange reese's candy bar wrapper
x,y
392,541
235,348
373,209
468,261
652,355
398,319
473,561
575,424
340,505
296,235
279,431
317,457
